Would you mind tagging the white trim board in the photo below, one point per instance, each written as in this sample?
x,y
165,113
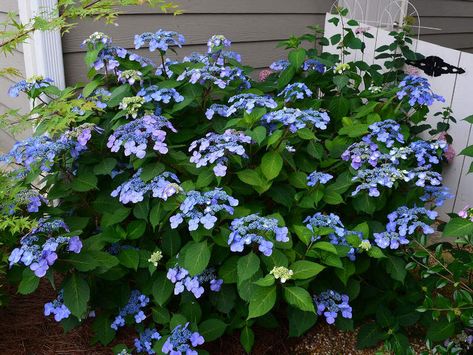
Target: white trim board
x,y
43,50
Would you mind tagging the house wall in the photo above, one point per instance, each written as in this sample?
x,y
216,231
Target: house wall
x,y
14,60
453,17
254,26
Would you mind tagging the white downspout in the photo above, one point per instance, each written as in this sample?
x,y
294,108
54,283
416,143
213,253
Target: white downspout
x,y
43,50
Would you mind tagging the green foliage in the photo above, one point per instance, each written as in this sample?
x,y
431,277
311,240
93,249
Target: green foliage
x,y
396,288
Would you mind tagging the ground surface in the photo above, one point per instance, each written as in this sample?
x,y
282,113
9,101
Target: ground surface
x,y
25,331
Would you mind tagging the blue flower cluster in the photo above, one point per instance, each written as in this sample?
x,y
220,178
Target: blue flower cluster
x,y
130,76
436,194
164,69
313,65
338,237
164,95
295,91
95,39
217,43
256,229
144,344
387,132
385,175
134,136
318,177
296,119
403,223
100,97
417,89
214,147
427,153
39,248
160,40
32,199
162,186
58,308
362,152
219,75
425,176
331,303
28,85
182,341
133,308
41,151
183,281
279,65
244,102
200,208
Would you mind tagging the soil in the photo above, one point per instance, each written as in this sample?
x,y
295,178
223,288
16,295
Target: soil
x,y
24,330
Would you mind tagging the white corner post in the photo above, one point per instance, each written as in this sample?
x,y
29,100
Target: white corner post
x,y
43,50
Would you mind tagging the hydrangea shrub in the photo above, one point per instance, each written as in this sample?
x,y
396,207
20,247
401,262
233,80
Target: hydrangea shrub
x,y
184,200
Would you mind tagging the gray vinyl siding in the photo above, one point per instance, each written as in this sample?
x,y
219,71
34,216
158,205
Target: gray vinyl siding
x,y
14,60
453,17
254,26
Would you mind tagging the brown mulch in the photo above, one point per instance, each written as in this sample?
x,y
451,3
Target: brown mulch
x,y
24,330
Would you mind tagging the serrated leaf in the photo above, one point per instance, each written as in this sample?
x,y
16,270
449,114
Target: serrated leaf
x,y
247,338
129,258
29,282
196,258
162,289
299,298
247,266
212,329
458,227
271,165
76,294
262,301
304,269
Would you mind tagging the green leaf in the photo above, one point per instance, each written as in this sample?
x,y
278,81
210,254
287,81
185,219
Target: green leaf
x,y
468,151
341,81
262,301
339,107
440,330
258,134
162,289
271,165
135,229
384,317
396,267
129,258
141,210
250,177
247,266
300,321
118,215
354,130
298,179
196,258
228,271
458,227
299,298
469,119
76,295
346,272
29,282
304,269
205,178
84,261
156,214
296,57
84,181
212,329
101,326
286,76
325,246
268,280
369,336
105,166
118,94
332,197
247,338
90,87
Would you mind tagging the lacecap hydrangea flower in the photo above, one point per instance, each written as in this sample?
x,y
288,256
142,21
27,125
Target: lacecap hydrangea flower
x,y
256,229
135,136
200,208
436,194
316,177
162,186
134,308
217,43
296,119
313,65
428,153
132,105
385,175
160,40
32,199
26,86
144,344
332,304
214,148
318,220
418,91
183,281
164,95
155,258
130,76
219,75
295,91
182,341
241,102
58,308
279,65
39,249
387,132
362,152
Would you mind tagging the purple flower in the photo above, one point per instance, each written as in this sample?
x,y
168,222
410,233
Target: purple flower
x,y
331,303
160,40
